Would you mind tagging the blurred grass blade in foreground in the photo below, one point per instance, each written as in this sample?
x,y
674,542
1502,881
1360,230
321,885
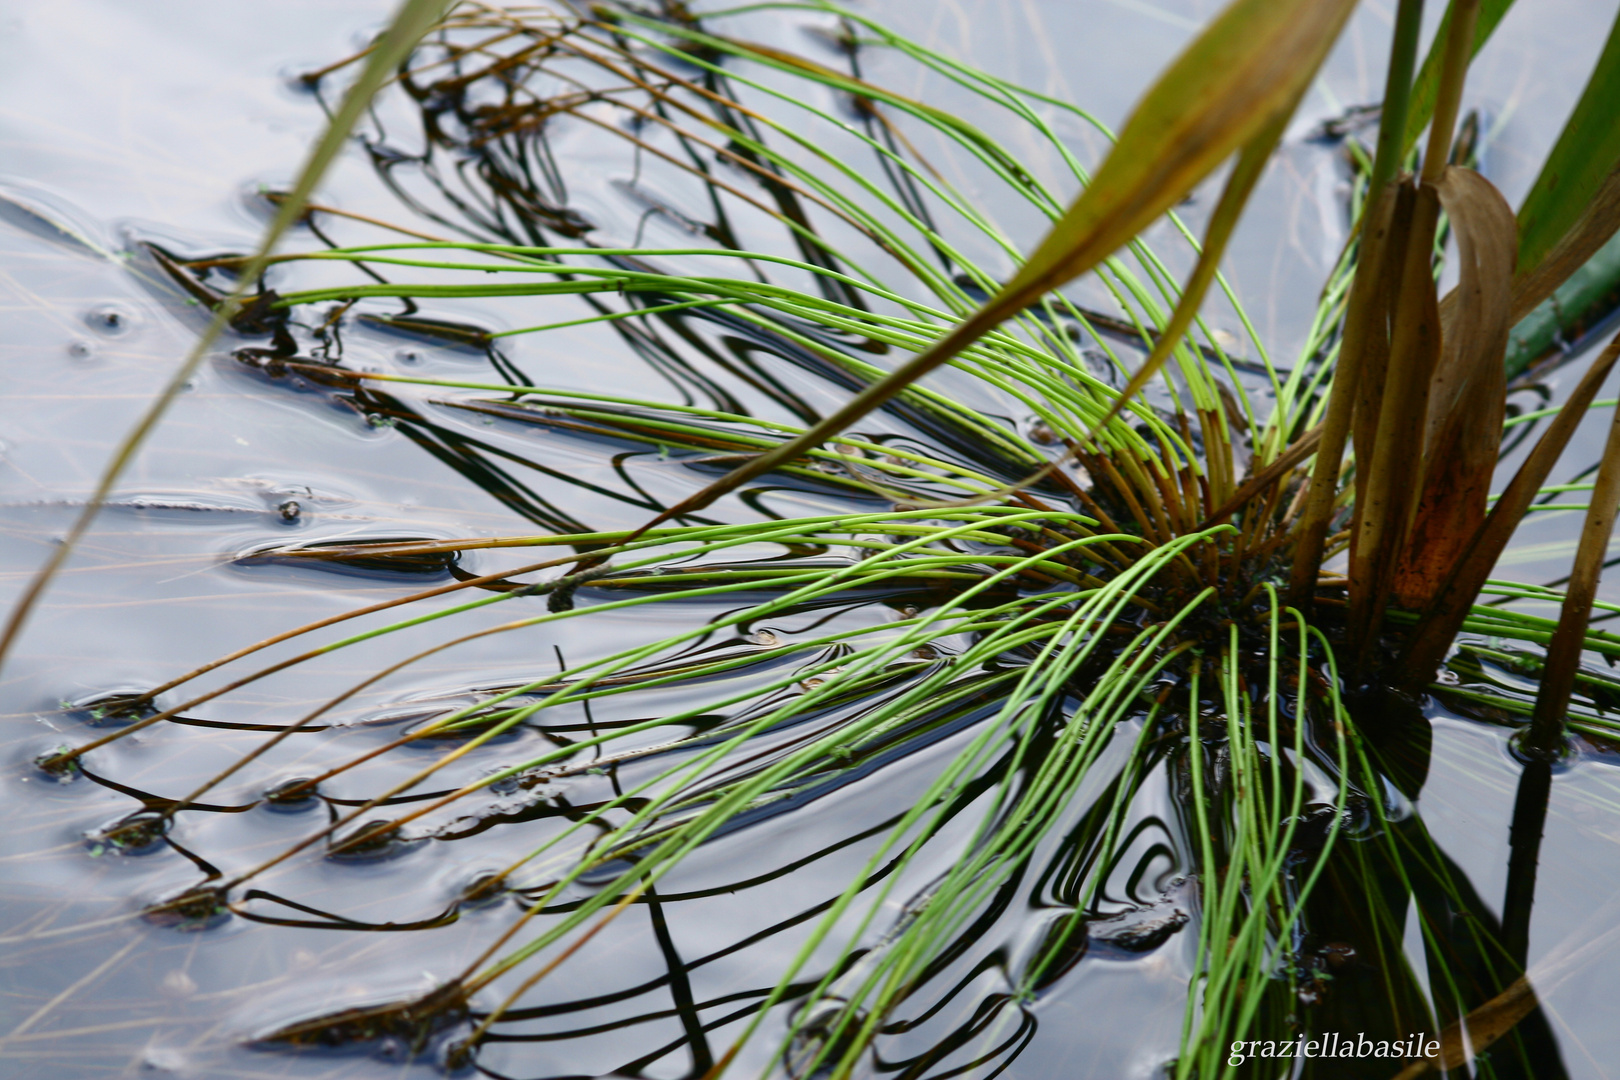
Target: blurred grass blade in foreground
x,y
1230,85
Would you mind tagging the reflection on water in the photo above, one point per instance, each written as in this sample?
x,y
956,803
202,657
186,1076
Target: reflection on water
x,y
271,498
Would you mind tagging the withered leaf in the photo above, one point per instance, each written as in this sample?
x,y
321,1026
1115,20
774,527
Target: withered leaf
x,y
1444,615
1467,394
1479,1029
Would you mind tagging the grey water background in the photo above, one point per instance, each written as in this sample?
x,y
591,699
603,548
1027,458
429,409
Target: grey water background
x,y
159,121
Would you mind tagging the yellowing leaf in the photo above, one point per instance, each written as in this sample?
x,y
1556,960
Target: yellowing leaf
x,y
1244,71
1246,68
1251,163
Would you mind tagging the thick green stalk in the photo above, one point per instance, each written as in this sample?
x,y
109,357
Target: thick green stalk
x,y
1397,98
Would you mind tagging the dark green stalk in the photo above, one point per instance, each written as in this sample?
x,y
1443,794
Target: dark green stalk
x,y
1397,98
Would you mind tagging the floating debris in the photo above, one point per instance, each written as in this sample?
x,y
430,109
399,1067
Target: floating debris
x,y
140,833
293,796
112,320
48,215
413,1026
111,709
52,765
457,333
821,679
201,908
374,841
484,889
392,556
824,1031
1138,930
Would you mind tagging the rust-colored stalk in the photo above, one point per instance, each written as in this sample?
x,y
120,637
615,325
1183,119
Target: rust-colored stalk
x,y
1391,496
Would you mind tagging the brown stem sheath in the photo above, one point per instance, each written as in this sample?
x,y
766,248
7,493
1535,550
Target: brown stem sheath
x,y
1391,496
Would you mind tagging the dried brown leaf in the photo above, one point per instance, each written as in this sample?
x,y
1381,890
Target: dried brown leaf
x,y
1467,394
1443,618
1532,285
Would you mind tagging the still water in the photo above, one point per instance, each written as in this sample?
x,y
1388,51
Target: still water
x,y
158,124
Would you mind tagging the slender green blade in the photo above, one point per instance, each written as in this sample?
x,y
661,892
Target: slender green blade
x,y
1586,152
